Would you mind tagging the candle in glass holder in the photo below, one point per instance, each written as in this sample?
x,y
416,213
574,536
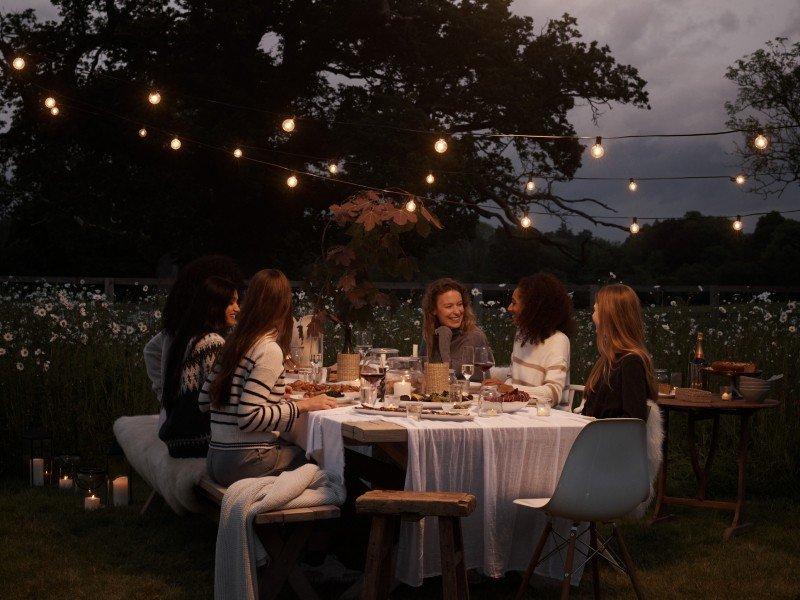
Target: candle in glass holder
x,y
542,407
65,483
119,489
37,471
91,502
402,388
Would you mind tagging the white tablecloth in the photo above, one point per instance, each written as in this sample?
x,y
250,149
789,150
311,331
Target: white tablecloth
x,y
497,459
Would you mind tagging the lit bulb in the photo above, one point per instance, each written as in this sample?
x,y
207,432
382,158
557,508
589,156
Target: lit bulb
x,y
597,149
175,144
142,132
525,221
411,206
49,102
237,153
292,181
761,141
440,146
530,185
288,125
154,98
632,185
54,111
18,63
740,179
737,224
634,226
429,178
333,169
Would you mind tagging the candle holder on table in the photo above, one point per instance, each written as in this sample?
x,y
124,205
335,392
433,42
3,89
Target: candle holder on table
x,y
120,476
38,456
65,468
92,483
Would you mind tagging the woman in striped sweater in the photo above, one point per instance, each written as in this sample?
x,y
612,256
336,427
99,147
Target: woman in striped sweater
x,y
542,312
245,391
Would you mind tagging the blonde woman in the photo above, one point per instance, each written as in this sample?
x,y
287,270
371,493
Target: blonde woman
x,y
621,381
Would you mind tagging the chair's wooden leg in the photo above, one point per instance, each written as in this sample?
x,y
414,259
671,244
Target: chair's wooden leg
x,y
629,566
451,549
379,568
283,558
567,581
153,499
595,559
537,553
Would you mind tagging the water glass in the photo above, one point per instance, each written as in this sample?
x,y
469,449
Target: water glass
x,y
453,395
316,366
414,410
367,394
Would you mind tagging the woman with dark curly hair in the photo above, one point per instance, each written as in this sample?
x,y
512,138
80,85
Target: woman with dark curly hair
x,y
542,312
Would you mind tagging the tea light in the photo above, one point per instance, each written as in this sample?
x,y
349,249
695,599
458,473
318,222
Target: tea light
x,y
491,412
119,491
37,471
726,396
91,502
391,406
543,409
65,483
402,388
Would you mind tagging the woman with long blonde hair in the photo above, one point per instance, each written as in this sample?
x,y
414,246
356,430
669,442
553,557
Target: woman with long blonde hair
x,y
621,381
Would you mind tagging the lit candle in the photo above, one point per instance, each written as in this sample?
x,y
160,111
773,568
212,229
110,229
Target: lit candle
x,y
726,395
402,388
543,409
491,412
119,488
91,502
65,483
37,471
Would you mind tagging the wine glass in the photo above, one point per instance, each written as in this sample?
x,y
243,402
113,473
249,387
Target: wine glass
x,y
467,356
363,343
484,359
316,366
373,370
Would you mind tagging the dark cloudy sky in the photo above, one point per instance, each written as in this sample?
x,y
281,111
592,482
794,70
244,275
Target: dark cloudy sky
x,y
681,48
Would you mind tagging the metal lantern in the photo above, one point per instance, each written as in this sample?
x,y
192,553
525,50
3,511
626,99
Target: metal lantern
x,y
92,483
65,467
38,456
120,476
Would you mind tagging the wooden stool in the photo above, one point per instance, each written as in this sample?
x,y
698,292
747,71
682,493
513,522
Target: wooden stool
x,y
388,508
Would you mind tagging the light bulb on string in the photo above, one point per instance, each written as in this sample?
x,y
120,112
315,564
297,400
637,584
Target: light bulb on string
x,y
18,63
429,179
292,181
175,144
333,168
143,132
411,206
440,146
737,224
154,98
237,153
632,185
634,226
761,141
55,111
530,185
740,179
597,150
288,125
525,221
49,102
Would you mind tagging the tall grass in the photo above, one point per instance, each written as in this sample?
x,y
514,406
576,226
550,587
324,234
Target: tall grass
x,y
71,361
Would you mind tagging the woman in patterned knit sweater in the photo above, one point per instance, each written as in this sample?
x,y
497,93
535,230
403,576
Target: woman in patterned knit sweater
x,y
192,354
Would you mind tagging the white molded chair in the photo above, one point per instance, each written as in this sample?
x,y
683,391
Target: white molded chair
x,y
604,478
568,398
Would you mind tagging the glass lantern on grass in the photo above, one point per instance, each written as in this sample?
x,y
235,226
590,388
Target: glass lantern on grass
x,y
120,476
38,456
65,467
92,483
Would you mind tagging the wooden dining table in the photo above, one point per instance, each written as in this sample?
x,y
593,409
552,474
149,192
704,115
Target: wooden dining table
x,y
711,410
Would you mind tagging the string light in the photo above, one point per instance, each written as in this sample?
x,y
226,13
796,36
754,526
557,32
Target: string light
x,y
288,125
175,144
634,226
737,224
154,98
597,150
440,146
411,206
237,153
530,185
740,179
761,142
292,181
18,63
632,185
429,179
525,221
333,169
54,111
49,102
142,132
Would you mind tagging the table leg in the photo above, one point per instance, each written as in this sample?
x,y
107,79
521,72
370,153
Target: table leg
x,y
702,473
737,526
662,477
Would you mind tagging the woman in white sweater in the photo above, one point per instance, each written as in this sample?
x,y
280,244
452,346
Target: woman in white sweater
x,y
542,312
245,391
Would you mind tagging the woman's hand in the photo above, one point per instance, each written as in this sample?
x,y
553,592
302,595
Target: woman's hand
x,y
321,402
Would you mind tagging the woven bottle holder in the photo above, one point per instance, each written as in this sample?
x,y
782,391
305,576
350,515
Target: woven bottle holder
x,y
437,377
348,366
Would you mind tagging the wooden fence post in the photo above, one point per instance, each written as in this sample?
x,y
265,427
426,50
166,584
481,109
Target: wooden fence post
x,y
108,285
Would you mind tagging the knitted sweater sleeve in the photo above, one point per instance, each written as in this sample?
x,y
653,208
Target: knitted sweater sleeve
x,y
554,363
262,406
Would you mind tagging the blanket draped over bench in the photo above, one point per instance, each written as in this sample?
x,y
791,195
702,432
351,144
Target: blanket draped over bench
x,y
235,564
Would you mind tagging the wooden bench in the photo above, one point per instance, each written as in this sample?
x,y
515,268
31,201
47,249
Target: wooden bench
x,y
284,534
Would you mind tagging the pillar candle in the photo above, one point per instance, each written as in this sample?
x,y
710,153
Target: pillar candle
x,y
65,483
91,502
119,489
37,471
415,350
402,388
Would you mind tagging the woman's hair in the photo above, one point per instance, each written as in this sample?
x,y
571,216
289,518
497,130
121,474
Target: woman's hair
x,y
267,308
620,332
429,320
189,279
204,314
546,308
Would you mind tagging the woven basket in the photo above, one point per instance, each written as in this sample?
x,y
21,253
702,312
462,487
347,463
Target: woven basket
x,y
693,395
348,366
437,378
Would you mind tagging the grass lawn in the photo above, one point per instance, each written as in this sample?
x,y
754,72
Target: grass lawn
x,y
52,549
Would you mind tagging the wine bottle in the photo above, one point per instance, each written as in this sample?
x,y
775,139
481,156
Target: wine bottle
x,y
697,364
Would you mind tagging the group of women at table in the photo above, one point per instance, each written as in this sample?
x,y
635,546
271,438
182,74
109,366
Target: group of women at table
x,y
218,367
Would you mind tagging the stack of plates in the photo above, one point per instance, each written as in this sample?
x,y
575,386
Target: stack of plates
x,y
753,389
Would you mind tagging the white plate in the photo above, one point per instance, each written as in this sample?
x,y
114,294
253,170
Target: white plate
x,y
380,413
432,417
435,405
